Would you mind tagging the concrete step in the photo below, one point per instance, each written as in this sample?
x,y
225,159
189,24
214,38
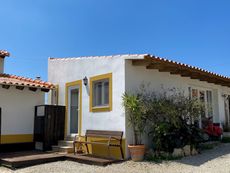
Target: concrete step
x,y
62,149
65,143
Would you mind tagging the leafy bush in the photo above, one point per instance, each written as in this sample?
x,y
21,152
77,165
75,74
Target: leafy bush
x,y
170,118
173,120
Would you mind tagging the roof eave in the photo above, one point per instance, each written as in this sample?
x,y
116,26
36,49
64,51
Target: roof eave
x,y
30,86
184,70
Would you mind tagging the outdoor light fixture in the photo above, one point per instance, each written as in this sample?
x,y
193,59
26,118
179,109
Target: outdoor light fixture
x,y
85,80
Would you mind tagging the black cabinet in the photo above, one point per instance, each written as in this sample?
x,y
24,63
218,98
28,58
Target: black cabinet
x,y
49,126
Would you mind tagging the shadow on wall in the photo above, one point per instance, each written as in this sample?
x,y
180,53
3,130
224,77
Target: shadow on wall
x,y
206,155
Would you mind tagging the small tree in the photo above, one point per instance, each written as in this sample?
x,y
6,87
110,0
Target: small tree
x,y
171,116
136,116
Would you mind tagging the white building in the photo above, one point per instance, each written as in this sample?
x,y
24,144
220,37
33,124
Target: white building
x,y
18,97
97,104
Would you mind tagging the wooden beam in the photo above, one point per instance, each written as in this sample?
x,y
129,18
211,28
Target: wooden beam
x,y
175,72
32,89
20,87
6,86
184,73
165,69
45,89
141,62
154,66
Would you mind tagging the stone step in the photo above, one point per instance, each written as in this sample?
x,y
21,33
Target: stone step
x,y
62,149
65,143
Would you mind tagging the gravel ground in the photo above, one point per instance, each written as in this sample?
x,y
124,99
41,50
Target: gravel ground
x,y
216,160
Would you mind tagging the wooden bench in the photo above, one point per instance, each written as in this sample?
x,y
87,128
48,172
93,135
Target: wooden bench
x,y
113,139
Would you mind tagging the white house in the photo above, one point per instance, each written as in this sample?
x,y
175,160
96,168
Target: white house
x,y
92,88
18,97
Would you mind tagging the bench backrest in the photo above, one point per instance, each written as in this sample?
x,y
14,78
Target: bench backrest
x,y
104,134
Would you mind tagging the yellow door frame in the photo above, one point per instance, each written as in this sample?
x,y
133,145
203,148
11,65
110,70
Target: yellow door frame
x,y
71,84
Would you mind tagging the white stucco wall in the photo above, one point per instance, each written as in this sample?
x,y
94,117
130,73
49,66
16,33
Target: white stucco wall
x,y
137,75
18,110
71,69
126,77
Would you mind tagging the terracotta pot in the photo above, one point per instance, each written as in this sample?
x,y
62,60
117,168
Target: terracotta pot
x,y
137,152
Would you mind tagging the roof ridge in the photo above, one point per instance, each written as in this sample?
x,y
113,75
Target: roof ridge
x,y
99,56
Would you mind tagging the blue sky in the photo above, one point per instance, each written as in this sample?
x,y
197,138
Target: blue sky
x,y
195,32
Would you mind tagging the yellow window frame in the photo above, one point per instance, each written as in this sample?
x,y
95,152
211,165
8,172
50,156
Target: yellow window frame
x,y
101,108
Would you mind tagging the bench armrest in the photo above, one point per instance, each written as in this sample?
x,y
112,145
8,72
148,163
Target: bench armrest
x,y
77,136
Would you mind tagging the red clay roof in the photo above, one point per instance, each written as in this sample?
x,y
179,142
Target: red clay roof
x,y
7,79
4,53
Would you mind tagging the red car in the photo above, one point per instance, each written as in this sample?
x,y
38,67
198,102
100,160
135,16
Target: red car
x,y
212,129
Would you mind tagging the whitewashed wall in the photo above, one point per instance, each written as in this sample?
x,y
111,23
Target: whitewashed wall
x,y
18,110
126,77
136,75
71,69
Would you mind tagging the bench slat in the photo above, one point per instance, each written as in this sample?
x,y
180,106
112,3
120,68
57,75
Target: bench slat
x,y
103,133
97,143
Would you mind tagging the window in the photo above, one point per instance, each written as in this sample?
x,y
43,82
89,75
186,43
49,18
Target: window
x,y
209,103
194,93
205,96
101,93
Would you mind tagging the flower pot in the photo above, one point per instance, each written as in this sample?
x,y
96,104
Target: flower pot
x,y
137,152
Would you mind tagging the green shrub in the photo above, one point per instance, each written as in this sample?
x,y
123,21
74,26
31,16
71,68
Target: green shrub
x,y
169,118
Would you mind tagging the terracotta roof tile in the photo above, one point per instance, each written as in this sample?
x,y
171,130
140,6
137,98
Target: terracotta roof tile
x,y
7,79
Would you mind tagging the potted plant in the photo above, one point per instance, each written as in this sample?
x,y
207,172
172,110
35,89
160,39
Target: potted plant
x,y
137,121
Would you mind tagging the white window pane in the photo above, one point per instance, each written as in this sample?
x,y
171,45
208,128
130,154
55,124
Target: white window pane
x,y
97,94
106,93
101,93
209,103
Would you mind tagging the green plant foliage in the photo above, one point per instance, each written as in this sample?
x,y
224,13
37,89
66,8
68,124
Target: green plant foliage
x,y
169,118
136,118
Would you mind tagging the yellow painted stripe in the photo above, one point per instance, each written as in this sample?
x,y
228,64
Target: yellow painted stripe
x,y
16,138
